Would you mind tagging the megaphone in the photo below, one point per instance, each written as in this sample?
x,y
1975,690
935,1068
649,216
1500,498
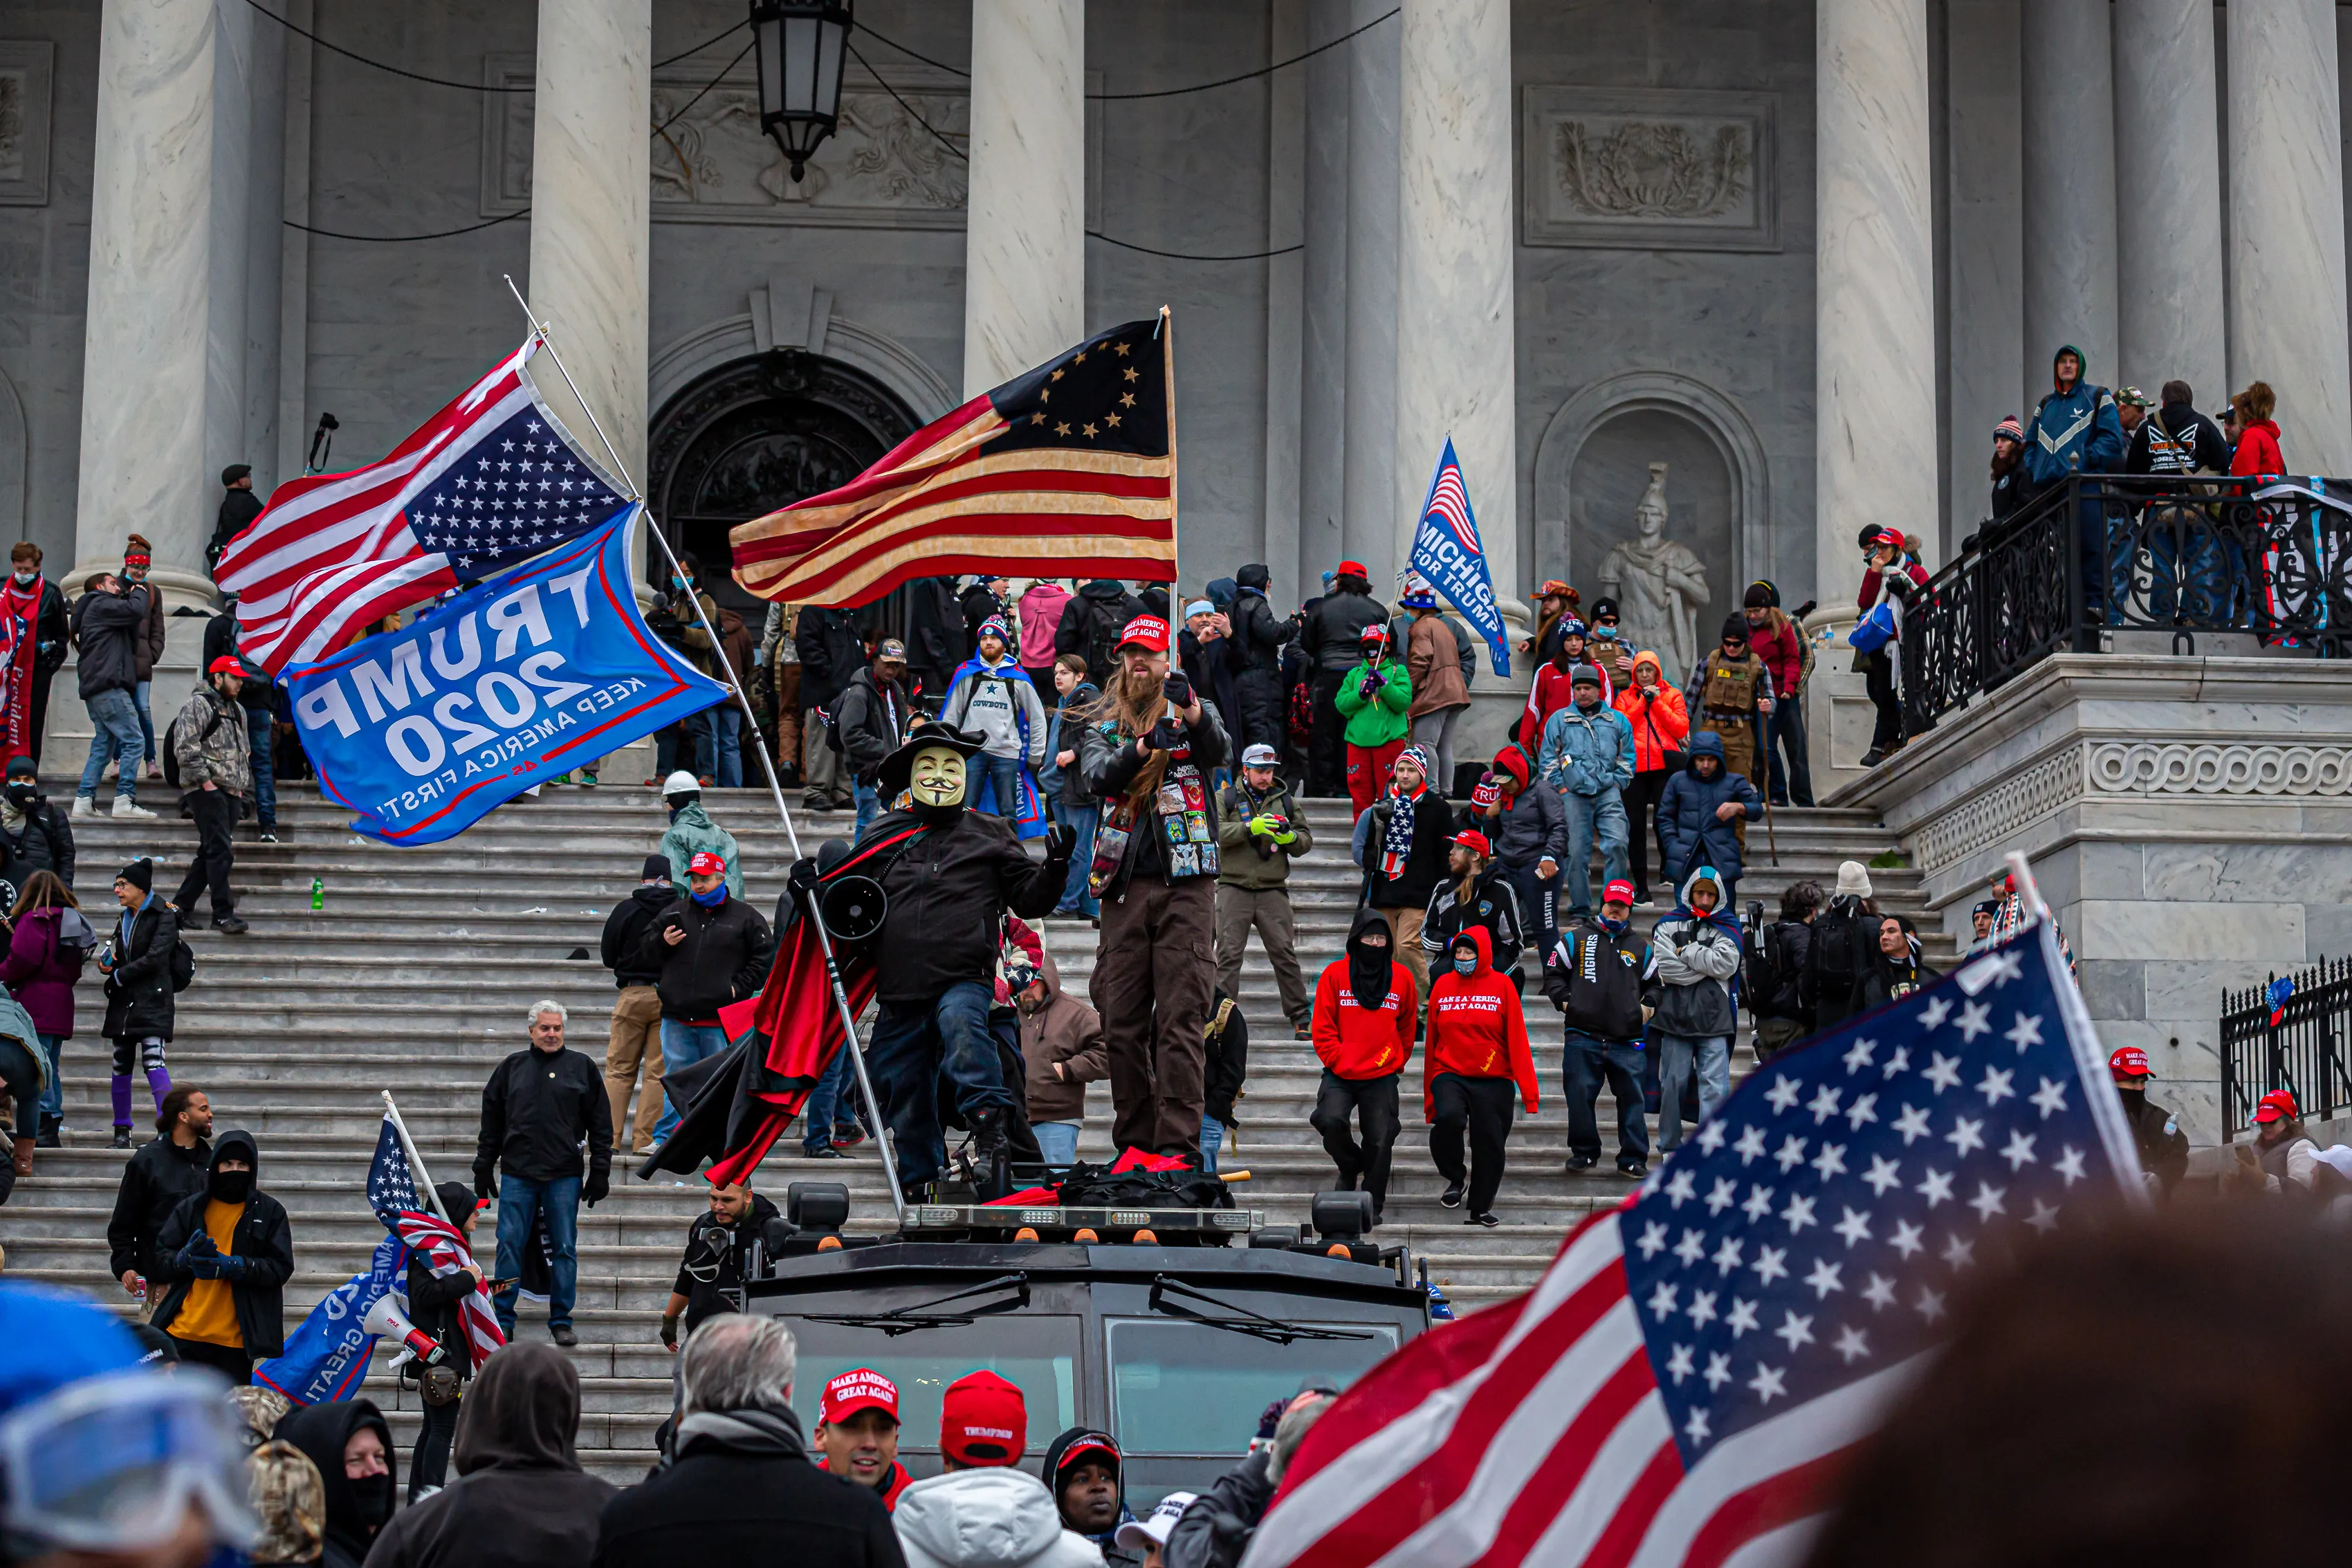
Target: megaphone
x,y
385,1318
851,907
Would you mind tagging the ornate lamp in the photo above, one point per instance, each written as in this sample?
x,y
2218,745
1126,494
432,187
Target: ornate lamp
x,y
799,44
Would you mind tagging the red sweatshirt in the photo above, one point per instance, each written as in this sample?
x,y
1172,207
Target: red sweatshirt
x,y
1359,1042
1475,1027
2258,450
1782,654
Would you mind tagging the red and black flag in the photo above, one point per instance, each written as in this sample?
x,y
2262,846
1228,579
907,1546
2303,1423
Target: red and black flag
x,y
1067,471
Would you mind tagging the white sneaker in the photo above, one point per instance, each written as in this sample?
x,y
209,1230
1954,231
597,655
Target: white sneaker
x,y
124,806
84,806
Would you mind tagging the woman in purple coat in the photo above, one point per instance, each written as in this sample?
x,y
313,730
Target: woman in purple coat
x,y
49,941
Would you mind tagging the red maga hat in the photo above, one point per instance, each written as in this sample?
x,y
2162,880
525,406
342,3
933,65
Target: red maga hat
x,y
1618,891
705,863
2128,1060
2278,1105
1473,840
984,1420
226,664
1147,631
860,1388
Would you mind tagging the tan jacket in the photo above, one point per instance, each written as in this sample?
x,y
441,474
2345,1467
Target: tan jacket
x,y
1434,658
1068,1032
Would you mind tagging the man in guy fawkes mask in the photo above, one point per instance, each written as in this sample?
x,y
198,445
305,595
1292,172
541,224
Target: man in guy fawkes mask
x,y
951,874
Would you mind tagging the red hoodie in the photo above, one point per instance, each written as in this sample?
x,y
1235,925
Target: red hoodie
x,y
1475,1027
1355,1041
2258,450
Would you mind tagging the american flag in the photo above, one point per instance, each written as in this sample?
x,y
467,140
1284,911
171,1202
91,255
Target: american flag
x,y
1067,471
391,1193
1449,503
490,480
1695,1365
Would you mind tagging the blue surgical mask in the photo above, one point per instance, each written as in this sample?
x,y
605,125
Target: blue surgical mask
x,y
677,583
1466,968
711,900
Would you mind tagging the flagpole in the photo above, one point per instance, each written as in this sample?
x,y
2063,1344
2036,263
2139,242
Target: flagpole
x,y
775,790
415,1161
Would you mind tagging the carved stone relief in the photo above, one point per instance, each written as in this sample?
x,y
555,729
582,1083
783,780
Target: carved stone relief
x,y
1648,169
25,72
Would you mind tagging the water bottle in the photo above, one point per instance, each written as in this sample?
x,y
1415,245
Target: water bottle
x,y
318,893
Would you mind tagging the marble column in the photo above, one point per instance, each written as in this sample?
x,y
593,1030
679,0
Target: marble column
x,y
2171,301
1983,245
1323,348
2070,190
1456,312
1368,523
1286,220
144,464
2287,316
1874,294
1024,291
589,223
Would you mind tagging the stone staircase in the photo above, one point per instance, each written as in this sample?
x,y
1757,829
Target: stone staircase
x,y
415,977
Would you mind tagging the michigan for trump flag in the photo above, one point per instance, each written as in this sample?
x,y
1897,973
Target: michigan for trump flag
x,y
1448,555
1683,1386
1069,471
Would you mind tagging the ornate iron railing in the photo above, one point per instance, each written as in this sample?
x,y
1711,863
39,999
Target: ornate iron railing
x,y
2303,1052
2098,554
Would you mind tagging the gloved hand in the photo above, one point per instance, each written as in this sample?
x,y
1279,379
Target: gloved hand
x,y
1178,689
232,1268
1061,842
199,1258
803,872
1264,824
669,1331
599,1187
1165,736
1368,688
485,1185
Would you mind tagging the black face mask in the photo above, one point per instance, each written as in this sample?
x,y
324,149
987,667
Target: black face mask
x,y
22,793
2133,1098
229,1187
371,1499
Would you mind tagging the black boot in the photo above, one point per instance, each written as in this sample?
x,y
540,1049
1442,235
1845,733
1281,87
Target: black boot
x,y
51,1133
992,1154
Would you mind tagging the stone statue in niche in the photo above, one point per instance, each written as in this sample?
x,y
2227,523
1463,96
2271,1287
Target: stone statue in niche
x,y
1658,585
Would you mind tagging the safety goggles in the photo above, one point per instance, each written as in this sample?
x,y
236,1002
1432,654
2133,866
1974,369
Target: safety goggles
x,y
110,1463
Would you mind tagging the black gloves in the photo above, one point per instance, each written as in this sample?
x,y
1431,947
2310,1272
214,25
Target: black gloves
x,y
1061,839
599,1187
803,872
1165,736
1177,689
485,1185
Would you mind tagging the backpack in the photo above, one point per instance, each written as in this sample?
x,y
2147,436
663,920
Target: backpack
x,y
76,939
1105,624
1840,954
183,963
170,748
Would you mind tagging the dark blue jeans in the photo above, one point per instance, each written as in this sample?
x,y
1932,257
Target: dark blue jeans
x,y
917,1043
1003,776
1076,898
687,745
831,1104
520,1201
261,732
1587,1062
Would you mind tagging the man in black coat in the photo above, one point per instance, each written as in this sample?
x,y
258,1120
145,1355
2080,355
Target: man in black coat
x,y
831,649
1255,653
107,623
224,1256
239,506
636,1037
953,875
1092,623
139,1008
1332,635
935,640
870,720
708,951
740,1488
34,834
154,1180
713,1263
539,1106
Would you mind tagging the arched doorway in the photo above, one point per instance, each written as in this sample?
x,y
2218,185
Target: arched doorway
x,y
757,433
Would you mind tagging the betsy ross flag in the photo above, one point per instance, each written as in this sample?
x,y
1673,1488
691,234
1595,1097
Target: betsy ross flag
x,y
1684,1384
490,481
1069,471
391,1193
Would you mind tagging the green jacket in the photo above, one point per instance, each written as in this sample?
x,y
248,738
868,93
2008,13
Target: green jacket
x,y
1375,722
690,833
1258,860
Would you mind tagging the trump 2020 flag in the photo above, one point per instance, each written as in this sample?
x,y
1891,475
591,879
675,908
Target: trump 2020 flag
x,y
1684,1386
327,1357
539,670
1447,553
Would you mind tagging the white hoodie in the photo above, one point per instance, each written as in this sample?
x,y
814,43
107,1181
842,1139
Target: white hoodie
x,y
991,1518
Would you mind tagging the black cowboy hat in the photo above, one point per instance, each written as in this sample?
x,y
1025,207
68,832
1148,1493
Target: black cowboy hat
x,y
891,778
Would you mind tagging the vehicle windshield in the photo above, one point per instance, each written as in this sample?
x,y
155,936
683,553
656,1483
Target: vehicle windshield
x,y
1038,1354
1188,1389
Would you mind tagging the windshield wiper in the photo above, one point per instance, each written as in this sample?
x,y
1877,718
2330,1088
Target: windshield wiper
x,y
918,1314
1241,1318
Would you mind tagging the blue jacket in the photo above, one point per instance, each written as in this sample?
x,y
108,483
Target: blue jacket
x,y
1686,819
1586,754
2074,431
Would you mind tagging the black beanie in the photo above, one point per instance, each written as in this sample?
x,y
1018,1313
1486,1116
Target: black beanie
x,y
1759,596
21,768
140,873
657,869
1735,626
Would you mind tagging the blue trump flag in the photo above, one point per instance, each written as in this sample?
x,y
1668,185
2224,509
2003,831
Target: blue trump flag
x,y
1446,552
328,1355
526,675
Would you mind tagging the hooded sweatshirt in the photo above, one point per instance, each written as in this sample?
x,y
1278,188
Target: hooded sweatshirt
x,y
1042,604
1001,703
2258,450
1692,961
993,1518
1068,1032
356,1510
1658,715
521,1500
1357,1041
1475,1027
2075,429
260,1253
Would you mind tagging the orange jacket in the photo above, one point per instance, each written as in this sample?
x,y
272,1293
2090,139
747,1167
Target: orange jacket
x,y
1660,726
1364,1042
1475,1027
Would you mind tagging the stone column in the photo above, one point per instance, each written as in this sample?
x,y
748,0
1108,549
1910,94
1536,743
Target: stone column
x,y
1024,292
1368,526
1285,222
2287,319
589,225
2168,169
2070,190
1323,351
1874,304
145,463
1456,314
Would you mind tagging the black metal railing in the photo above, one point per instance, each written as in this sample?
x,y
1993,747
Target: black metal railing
x,y
2096,554
2305,1052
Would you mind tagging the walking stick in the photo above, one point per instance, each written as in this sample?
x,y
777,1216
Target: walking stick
x,y
1772,839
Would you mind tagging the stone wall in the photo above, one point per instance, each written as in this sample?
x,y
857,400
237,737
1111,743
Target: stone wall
x,y
2190,820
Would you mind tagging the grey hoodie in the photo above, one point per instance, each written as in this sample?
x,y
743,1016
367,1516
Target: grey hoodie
x,y
1692,960
992,1518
